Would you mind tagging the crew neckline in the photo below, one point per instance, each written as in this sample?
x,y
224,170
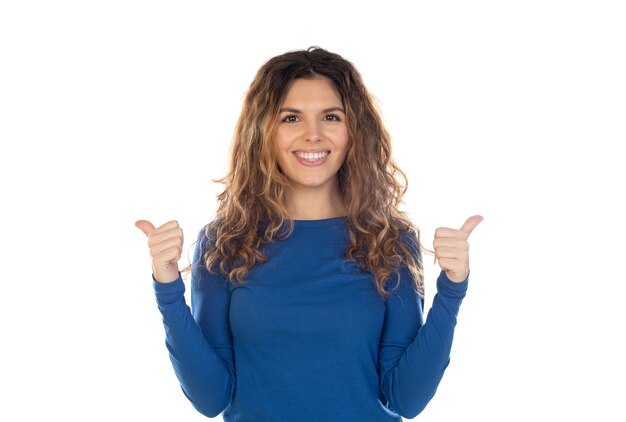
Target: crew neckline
x,y
321,222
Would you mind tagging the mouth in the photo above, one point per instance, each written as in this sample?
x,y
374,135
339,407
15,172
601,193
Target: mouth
x,y
311,158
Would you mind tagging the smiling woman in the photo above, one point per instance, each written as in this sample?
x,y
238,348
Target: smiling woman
x,y
311,142
307,286
312,100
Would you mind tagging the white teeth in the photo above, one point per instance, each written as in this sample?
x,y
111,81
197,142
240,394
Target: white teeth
x,y
312,156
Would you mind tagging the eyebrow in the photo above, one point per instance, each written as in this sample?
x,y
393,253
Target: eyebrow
x,y
295,110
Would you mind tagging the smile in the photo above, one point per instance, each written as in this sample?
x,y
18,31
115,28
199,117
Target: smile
x,y
311,158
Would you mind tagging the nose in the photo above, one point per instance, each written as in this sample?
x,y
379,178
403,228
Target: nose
x,y
313,132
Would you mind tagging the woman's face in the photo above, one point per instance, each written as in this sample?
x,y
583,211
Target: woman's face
x,y
312,135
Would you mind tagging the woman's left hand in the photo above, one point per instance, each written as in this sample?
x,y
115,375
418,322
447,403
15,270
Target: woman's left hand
x,y
452,249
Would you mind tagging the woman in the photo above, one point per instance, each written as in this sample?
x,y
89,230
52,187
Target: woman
x,y
307,286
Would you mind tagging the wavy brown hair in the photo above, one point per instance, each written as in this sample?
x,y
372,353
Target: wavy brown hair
x,y
252,207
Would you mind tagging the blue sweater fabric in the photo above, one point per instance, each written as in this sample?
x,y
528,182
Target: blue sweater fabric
x,y
307,338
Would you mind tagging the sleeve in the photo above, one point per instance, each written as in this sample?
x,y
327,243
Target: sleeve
x,y
199,344
413,355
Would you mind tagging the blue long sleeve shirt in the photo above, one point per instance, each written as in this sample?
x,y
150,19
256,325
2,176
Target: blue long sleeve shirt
x,y
307,338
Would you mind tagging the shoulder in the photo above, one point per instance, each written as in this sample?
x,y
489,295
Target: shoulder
x,y
205,241
207,235
410,239
405,280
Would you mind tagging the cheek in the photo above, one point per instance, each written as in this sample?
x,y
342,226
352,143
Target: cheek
x,y
283,142
280,147
281,160
344,144
345,139
342,158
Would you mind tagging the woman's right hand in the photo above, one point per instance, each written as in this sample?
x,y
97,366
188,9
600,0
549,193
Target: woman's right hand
x,y
166,245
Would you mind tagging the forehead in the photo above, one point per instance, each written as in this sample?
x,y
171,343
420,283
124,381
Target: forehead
x,y
316,89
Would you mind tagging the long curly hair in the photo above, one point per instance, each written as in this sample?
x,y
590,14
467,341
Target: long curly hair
x,y
252,206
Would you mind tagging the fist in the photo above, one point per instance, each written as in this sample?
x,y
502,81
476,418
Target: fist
x,y
452,249
166,245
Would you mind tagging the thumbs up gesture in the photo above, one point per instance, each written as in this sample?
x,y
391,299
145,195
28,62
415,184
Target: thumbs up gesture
x,y
452,249
166,245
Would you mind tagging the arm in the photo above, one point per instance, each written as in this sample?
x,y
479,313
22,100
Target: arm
x,y
413,355
200,346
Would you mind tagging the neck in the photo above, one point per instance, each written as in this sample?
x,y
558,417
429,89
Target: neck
x,y
314,204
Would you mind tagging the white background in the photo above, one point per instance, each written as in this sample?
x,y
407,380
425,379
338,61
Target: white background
x,y
123,110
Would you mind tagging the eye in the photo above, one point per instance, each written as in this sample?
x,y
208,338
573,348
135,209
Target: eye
x,y
332,118
290,118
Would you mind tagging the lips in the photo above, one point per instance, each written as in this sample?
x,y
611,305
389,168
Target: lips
x,y
311,158
311,150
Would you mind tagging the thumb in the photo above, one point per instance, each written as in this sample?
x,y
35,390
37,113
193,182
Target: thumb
x,y
145,226
471,223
